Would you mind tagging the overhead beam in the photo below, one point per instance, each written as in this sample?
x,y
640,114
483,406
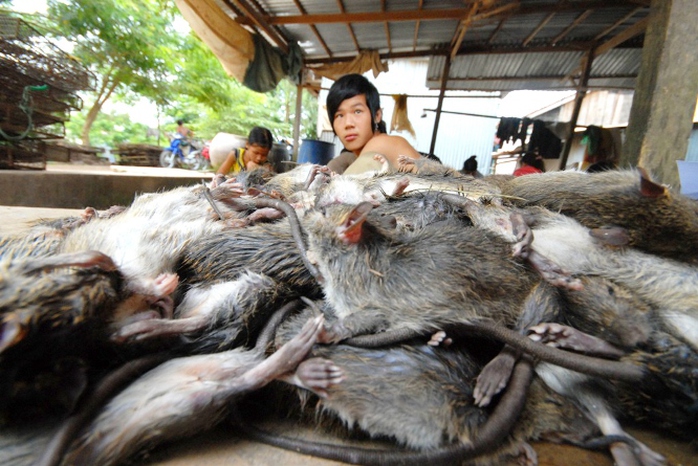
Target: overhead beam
x,y
416,27
498,12
383,56
480,10
340,4
314,29
386,27
572,25
436,14
462,29
540,26
371,16
560,78
496,31
470,50
262,23
613,26
632,31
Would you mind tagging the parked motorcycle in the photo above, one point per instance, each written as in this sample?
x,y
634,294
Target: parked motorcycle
x,y
182,153
203,158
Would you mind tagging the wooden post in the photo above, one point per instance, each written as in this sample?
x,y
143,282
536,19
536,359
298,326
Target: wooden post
x,y
665,94
297,122
444,82
579,97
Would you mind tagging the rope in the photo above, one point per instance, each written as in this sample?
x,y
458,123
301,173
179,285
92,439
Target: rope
x,y
26,106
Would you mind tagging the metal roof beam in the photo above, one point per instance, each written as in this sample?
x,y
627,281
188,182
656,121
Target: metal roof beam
x,y
462,29
386,26
607,31
314,28
416,27
371,17
496,31
538,78
434,14
472,50
340,4
572,25
632,31
540,26
261,22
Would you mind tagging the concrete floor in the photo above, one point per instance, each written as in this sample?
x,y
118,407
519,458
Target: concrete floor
x,y
222,446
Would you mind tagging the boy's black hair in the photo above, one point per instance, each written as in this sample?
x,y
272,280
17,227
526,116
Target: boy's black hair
x,y
180,122
260,136
348,86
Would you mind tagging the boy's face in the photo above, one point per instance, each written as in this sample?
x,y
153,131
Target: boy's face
x,y
257,154
352,123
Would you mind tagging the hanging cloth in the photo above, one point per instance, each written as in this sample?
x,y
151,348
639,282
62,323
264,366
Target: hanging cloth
x,y
270,65
231,43
366,60
400,121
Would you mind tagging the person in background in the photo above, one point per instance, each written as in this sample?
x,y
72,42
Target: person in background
x,y
470,167
531,163
353,107
253,155
183,130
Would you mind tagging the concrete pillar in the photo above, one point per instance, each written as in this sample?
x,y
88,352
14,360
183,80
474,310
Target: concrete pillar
x,y
665,95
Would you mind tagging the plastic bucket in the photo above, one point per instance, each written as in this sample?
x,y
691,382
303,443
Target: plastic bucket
x,y
317,152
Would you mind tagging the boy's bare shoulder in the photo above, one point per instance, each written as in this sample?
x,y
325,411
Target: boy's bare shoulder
x,y
390,146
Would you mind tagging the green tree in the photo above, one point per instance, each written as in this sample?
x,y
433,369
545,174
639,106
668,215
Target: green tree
x,y
128,44
201,77
134,50
110,129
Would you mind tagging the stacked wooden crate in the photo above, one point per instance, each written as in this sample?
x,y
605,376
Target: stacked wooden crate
x,y
38,90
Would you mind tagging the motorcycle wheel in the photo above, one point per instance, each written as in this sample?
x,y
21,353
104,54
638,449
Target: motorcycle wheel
x,y
166,158
194,159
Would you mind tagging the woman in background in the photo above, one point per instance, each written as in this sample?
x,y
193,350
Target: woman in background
x,y
531,163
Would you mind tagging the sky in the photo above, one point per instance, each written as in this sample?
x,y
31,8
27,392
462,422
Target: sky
x,y
29,6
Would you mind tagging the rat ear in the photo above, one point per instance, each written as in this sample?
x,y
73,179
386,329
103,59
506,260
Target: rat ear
x,y
649,188
349,229
11,332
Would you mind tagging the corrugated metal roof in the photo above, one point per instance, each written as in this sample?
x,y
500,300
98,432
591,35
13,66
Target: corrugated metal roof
x,y
616,68
496,44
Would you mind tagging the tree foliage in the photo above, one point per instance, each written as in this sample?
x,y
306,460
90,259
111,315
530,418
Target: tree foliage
x,y
136,51
111,129
129,44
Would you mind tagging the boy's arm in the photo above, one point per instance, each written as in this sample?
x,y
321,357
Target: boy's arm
x,y
228,163
391,147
